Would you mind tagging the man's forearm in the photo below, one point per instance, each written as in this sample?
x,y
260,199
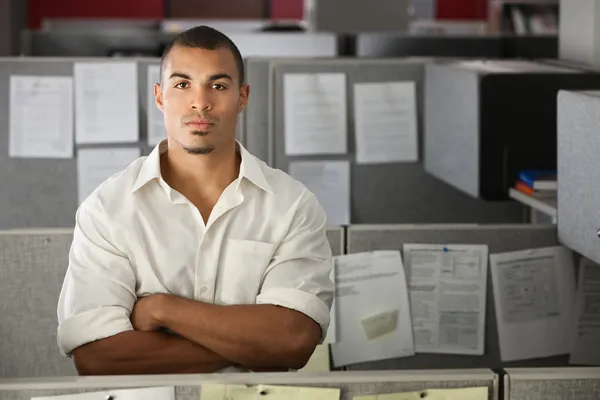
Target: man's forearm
x,y
264,336
136,353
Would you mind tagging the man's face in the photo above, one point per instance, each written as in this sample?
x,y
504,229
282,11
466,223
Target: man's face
x,y
200,97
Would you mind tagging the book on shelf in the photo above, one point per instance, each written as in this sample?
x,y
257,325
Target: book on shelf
x,y
540,184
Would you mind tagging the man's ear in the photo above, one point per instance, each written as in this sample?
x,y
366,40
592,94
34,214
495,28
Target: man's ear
x,y
158,96
244,95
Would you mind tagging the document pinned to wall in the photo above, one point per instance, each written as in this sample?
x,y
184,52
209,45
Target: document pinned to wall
x,y
214,391
156,124
41,117
586,327
372,308
315,113
94,166
330,182
152,393
534,294
447,289
472,393
106,102
385,116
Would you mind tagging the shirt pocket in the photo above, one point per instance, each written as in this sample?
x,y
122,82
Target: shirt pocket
x,y
243,264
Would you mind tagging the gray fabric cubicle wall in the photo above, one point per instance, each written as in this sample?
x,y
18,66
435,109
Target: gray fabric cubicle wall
x,y
32,269
382,193
33,264
499,238
188,387
552,383
43,192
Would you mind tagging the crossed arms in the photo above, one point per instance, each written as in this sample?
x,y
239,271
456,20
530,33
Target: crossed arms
x,y
257,337
109,331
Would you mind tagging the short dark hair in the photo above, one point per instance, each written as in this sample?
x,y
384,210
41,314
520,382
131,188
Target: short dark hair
x,y
205,37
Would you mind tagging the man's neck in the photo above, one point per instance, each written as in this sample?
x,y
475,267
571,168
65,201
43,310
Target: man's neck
x,y
204,175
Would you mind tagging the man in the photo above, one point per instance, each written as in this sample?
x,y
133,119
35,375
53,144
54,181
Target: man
x,y
199,257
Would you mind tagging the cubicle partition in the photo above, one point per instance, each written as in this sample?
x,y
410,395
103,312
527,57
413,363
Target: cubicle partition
x,y
43,192
398,192
552,383
32,269
188,387
33,264
499,238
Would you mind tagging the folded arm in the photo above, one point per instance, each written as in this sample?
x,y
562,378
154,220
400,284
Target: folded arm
x,y
261,336
137,353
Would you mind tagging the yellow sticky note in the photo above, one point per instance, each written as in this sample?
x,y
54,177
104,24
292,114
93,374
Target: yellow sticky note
x,y
319,361
474,393
380,324
266,392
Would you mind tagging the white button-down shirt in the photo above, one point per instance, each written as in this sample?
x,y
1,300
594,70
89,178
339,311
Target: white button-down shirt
x,y
264,243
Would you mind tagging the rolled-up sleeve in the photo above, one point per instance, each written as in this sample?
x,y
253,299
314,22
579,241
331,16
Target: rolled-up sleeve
x,y
299,275
98,291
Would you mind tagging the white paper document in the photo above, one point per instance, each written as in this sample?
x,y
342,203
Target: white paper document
x,y
41,117
315,114
330,182
385,117
586,327
372,308
534,296
152,393
106,102
447,290
94,166
156,124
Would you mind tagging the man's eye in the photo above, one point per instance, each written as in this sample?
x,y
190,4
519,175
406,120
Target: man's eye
x,y
181,85
218,86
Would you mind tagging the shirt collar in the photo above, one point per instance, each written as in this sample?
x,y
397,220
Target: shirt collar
x,y
249,168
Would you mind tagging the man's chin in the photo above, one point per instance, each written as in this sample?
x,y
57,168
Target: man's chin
x,y
199,150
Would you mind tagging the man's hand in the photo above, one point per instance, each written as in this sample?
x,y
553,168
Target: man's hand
x,y
146,312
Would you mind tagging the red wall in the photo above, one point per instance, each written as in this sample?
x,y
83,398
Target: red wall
x,y
287,9
40,9
446,9
154,9
462,9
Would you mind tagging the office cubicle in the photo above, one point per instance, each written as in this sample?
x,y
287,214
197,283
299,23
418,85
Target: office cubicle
x,y
32,268
188,387
552,383
396,192
499,238
43,192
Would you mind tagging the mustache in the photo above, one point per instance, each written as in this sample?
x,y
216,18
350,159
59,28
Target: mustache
x,y
198,116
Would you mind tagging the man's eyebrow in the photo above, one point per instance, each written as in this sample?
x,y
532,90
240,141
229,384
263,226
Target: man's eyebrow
x,y
180,75
220,76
